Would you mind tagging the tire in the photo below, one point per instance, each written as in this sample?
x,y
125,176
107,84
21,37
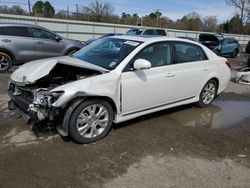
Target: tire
x,y
207,94
5,62
84,124
234,54
71,52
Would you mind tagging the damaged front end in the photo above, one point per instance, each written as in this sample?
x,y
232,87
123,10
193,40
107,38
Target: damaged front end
x,y
36,104
37,99
41,108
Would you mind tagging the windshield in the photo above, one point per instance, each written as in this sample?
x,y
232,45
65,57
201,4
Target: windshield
x,y
107,52
134,32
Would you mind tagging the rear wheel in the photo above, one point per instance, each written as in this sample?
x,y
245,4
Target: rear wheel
x,y
208,93
91,121
71,52
5,62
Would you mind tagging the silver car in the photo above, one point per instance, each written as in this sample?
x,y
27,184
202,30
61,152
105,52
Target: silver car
x,y
21,43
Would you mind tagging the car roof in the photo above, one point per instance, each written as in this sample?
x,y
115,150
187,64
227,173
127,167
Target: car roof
x,y
152,38
20,25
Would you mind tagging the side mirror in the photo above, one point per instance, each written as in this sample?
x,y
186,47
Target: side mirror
x,y
58,38
141,64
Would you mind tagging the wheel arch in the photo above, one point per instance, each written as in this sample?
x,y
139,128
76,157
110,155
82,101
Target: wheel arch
x,y
73,104
9,53
71,49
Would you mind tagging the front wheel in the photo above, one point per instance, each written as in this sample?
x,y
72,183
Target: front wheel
x,y
91,121
208,93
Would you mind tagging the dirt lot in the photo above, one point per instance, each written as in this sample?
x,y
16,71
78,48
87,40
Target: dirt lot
x,y
181,147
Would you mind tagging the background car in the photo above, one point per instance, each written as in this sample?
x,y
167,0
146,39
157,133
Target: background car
x,y
103,36
20,43
248,48
188,38
104,83
140,31
221,45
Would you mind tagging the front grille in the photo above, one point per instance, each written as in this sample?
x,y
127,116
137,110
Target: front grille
x,y
21,95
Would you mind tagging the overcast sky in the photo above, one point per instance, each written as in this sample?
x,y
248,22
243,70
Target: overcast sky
x,y
173,9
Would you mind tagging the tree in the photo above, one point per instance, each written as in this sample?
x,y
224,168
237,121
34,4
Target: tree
x,y
99,10
38,8
45,9
243,7
210,23
191,21
15,9
49,10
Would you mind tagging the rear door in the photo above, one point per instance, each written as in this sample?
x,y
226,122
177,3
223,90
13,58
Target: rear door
x,y
46,44
191,69
17,40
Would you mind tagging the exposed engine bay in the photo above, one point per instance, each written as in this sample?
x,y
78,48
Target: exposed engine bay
x,y
36,99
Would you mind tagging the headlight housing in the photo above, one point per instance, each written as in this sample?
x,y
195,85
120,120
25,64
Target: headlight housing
x,y
45,98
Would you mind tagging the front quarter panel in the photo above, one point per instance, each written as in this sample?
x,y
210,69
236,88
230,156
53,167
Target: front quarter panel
x,y
105,85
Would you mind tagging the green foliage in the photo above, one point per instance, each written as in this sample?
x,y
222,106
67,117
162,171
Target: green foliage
x,y
44,9
15,9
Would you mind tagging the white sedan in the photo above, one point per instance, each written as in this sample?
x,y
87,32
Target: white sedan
x,y
116,79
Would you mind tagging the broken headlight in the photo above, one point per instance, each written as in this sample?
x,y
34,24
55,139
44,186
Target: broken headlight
x,y
45,98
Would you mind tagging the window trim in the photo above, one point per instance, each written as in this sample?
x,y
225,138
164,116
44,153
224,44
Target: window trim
x,y
126,69
182,42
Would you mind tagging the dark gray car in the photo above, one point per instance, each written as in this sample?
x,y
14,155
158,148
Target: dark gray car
x,y
20,43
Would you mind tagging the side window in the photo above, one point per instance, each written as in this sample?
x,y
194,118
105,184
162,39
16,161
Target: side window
x,y
16,31
186,52
161,32
2,30
158,54
226,41
40,33
149,32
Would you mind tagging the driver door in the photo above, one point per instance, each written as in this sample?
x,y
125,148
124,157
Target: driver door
x,y
149,88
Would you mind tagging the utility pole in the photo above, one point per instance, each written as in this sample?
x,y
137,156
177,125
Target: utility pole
x,y
76,10
68,12
29,7
157,17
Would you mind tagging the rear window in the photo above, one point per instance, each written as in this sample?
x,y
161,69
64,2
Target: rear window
x,y
15,31
187,52
160,32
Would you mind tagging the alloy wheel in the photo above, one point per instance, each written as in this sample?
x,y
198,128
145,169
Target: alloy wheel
x,y
208,93
92,121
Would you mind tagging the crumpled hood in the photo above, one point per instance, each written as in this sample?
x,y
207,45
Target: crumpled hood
x,y
34,70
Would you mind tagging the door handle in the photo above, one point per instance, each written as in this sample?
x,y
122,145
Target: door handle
x,y
170,74
6,40
40,42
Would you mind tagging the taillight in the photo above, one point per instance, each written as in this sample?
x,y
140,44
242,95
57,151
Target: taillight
x,y
228,64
